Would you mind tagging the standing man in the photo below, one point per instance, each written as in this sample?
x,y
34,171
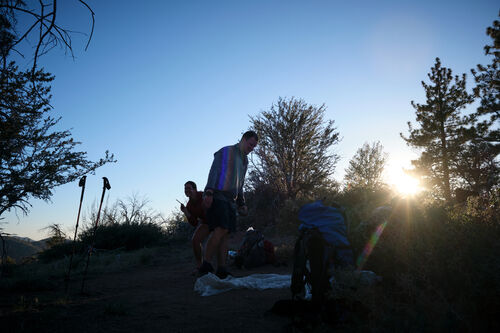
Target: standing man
x,y
224,191
196,217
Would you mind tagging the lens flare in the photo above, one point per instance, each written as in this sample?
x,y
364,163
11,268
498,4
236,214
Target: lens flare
x,y
363,257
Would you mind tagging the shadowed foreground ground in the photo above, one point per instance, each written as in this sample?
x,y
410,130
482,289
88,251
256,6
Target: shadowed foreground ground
x,y
156,297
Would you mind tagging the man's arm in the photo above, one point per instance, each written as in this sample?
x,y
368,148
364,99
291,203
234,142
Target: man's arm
x,y
213,178
192,219
215,171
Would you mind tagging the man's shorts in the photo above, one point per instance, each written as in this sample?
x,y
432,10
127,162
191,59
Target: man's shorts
x,y
222,214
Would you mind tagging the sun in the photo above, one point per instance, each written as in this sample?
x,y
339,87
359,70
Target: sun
x,y
405,184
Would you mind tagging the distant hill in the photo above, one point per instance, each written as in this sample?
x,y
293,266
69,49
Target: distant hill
x,y
18,248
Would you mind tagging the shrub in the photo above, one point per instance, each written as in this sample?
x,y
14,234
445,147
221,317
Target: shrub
x,y
127,236
440,266
60,251
130,236
177,229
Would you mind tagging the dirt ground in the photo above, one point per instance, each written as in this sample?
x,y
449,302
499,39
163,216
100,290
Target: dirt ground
x,y
157,297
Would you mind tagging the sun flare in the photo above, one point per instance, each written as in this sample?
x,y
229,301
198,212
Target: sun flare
x,y
402,182
407,185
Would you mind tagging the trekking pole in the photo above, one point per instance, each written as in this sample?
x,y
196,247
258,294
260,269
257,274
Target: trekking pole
x,y
82,185
105,187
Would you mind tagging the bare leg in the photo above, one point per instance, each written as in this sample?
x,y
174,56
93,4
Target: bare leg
x,y
213,243
199,236
222,253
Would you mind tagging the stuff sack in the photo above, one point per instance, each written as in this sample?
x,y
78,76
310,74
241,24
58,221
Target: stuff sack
x,y
254,250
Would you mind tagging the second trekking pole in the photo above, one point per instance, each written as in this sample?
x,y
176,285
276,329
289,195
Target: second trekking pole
x,y
105,187
82,185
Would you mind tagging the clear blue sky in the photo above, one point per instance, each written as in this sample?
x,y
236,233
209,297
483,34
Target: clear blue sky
x,y
164,84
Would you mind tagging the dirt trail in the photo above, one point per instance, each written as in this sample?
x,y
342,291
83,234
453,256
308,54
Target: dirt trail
x,y
157,297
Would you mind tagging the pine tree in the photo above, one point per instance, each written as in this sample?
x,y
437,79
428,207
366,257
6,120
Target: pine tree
x,y
442,130
478,165
487,89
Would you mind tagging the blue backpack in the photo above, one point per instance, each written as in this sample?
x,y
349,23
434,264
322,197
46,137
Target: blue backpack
x,y
322,243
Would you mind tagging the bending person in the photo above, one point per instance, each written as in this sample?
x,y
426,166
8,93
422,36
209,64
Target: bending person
x,y
195,214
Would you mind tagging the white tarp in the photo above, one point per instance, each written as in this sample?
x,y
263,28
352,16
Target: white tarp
x,y
210,284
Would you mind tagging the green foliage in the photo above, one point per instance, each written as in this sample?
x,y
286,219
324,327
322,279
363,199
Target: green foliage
x,y
56,235
177,229
478,164
442,129
263,208
488,87
439,264
294,152
366,167
288,218
477,167
34,158
128,224
60,250
130,236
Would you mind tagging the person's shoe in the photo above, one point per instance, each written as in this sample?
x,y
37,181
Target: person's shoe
x,y
222,273
205,268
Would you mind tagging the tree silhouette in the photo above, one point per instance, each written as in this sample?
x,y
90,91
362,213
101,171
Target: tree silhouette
x,y
56,234
478,165
294,152
34,158
40,20
487,89
442,129
366,167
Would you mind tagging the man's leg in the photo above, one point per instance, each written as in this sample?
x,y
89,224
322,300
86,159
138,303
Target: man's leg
x,y
222,271
199,236
222,253
212,246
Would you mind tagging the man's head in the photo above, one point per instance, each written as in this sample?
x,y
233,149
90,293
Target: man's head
x,y
248,142
190,189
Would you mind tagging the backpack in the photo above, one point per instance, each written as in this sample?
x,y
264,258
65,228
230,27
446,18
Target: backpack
x,y
254,251
310,265
321,247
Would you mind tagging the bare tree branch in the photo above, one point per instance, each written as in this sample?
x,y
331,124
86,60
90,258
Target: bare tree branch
x,y
50,33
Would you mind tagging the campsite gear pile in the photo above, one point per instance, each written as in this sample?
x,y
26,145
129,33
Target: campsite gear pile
x,y
254,250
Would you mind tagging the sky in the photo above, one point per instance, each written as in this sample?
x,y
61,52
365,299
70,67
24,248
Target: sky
x,y
165,84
